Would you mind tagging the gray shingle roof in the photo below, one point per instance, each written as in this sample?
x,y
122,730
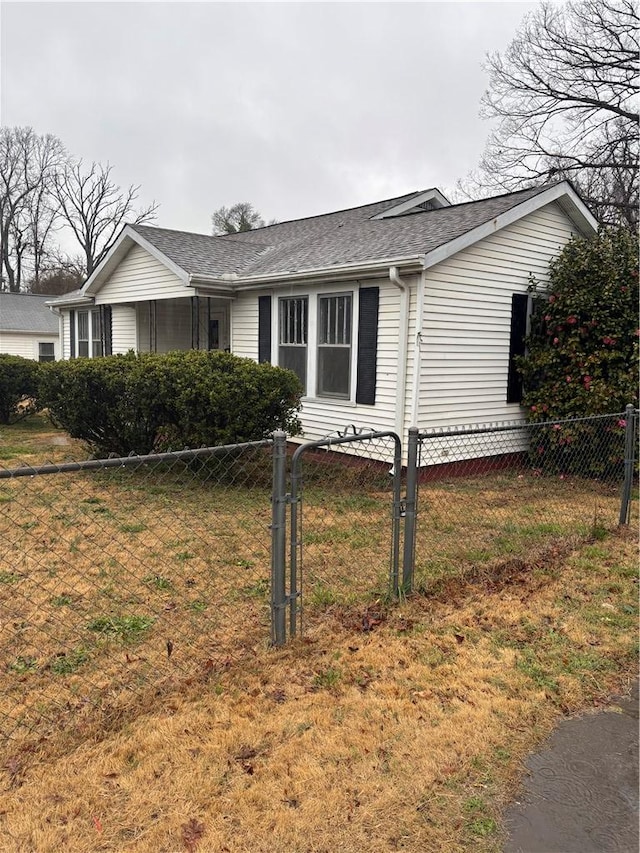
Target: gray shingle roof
x,y
24,312
320,242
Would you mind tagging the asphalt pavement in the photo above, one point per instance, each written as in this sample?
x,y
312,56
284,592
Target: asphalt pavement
x,y
581,791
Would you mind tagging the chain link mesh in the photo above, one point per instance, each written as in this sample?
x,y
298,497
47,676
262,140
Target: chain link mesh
x,y
345,521
118,577
494,494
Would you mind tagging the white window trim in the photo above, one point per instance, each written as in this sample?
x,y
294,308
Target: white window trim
x,y
313,294
352,336
90,312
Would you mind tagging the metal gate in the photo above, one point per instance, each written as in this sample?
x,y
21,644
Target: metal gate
x,y
338,526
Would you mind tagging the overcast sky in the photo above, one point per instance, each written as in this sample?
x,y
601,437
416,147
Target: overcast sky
x,y
298,108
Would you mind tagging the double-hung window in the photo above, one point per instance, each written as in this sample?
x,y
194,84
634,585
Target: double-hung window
x,y
83,333
293,336
96,333
46,351
334,345
89,333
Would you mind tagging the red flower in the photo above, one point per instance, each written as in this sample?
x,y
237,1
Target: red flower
x,y
622,422
572,320
552,299
534,408
568,378
556,340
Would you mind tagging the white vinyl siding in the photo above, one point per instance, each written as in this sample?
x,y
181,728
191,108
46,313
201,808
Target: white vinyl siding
x,y
25,344
244,324
467,317
123,329
138,277
66,340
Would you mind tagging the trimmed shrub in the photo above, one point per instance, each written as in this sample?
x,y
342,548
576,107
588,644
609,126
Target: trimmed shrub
x,y
582,351
18,387
147,401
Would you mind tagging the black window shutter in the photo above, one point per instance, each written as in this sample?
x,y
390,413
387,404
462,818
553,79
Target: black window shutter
x,y
107,336
72,333
519,310
367,345
264,328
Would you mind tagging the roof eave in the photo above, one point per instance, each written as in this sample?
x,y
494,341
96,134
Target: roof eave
x,y
70,303
563,193
373,268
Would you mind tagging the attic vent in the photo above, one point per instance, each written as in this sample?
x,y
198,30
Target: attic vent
x,y
428,205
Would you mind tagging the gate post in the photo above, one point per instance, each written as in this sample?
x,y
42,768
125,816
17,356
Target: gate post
x,y
408,563
629,458
278,539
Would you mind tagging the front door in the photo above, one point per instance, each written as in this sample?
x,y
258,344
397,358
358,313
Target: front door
x,y
219,329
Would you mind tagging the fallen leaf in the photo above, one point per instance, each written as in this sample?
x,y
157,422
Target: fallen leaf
x,y
192,833
245,753
97,823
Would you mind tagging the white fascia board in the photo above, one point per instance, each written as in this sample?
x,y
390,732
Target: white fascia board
x,y
367,268
433,194
77,301
127,238
563,193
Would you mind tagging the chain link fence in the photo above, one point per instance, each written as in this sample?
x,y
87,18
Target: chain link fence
x,y
122,580
123,573
345,531
501,495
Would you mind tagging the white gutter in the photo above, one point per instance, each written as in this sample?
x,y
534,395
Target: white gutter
x,y
417,346
403,336
249,282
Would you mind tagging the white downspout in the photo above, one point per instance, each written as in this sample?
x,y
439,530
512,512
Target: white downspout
x,y
403,338
417,345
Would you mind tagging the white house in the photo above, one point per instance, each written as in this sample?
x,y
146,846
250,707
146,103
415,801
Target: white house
x,y
27,327
402,312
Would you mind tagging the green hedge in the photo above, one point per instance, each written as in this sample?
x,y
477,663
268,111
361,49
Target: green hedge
x,y
146,401
18,386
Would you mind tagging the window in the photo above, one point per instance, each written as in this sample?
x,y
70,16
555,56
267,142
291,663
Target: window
x,y
517,345
46,352
334,345
96,333
89,333
293,336
83,333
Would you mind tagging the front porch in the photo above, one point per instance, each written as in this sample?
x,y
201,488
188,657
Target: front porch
x,y
196,322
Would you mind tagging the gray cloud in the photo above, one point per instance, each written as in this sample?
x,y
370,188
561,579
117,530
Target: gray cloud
x,y
299,108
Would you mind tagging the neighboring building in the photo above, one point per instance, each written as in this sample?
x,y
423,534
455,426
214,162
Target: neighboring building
x,y
406,311
28,327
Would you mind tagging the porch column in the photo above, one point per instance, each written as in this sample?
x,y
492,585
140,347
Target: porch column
x,y
195,322
153,326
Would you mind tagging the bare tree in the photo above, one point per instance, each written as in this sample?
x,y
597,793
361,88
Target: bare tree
x,y
239,217
28,209
565,95
95,208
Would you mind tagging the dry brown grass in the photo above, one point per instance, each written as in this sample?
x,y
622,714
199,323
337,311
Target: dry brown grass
x,y
383,728
407,736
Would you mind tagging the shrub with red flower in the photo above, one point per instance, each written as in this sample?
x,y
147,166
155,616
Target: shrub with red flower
x,y
582,350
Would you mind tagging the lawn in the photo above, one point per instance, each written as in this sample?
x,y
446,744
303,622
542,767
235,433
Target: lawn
x,y
135,631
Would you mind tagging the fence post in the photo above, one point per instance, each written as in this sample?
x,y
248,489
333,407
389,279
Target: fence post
x,y
629,458
408,563
278,539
